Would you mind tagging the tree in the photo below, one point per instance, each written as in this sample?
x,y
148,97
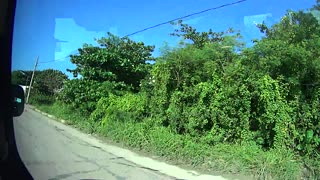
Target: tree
x,y
316,6
183,79
210,52
117,64
199,39
116,59
21,77
294,27
290,49
284,73
49,81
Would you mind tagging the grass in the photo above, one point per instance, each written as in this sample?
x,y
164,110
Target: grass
x,y
245,159
70,115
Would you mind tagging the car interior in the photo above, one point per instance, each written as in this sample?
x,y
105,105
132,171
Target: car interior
x,y
12,100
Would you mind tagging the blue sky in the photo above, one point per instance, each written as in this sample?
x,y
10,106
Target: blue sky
x,y
53,29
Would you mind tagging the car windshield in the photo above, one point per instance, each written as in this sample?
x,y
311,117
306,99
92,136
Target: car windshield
x,y
168,89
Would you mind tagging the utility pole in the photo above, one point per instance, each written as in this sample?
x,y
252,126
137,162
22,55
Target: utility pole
x,y
35,67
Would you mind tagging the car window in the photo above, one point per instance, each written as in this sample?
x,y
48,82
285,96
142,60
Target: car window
x,y
227,89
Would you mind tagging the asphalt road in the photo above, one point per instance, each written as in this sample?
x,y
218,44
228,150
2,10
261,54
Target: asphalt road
x,y
50,151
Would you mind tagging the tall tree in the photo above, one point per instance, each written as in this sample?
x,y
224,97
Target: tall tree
x,y
116,59
117,64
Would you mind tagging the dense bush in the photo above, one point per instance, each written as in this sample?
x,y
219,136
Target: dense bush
x,y
84,94
126,108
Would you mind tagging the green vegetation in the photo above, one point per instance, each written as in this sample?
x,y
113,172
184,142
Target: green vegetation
x,y
211,103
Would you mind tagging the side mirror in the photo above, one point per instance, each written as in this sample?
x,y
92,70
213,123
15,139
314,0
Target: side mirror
x,y
18,100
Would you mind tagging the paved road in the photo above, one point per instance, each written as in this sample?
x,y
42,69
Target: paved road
x,y
52,152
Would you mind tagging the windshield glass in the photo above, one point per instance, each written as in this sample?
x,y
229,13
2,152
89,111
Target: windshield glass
x,y
220,88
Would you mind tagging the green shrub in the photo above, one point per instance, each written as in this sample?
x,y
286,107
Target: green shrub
x,y
129,107
99,113
84,94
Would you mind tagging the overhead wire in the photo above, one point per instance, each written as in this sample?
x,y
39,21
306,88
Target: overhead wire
x,y
186,16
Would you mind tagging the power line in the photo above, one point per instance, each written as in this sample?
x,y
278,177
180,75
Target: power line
x,y
189,15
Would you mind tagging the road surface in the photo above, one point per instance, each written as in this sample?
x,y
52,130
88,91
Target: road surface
x,y
52,150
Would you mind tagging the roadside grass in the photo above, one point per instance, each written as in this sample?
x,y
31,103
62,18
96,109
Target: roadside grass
x,y
236,159
71,116
245,159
